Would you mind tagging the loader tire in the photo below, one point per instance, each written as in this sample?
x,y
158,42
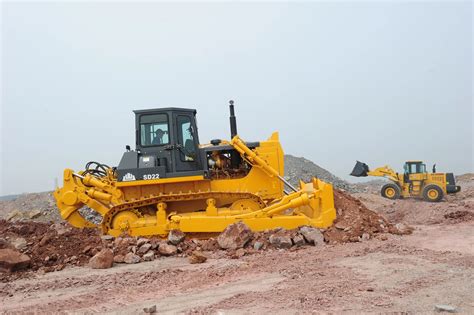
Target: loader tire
x,y
390,191
432,193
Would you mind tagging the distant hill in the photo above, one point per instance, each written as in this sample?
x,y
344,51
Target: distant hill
x,y
8,197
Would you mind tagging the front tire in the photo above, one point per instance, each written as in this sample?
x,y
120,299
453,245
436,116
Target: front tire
x,y
432,193
391,191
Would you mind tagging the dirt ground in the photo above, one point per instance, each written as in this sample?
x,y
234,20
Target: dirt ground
x,y
407,274
391,274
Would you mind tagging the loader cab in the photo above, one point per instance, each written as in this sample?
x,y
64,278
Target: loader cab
x,y
414,171
414,167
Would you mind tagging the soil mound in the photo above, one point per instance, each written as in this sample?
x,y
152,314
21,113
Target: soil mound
x,y
355,222
50,247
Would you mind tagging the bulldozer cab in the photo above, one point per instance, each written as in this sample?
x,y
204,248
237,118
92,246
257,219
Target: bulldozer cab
x,y
170,135
167,145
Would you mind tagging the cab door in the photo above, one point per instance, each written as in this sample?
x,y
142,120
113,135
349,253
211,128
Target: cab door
x,y
416,176
185,152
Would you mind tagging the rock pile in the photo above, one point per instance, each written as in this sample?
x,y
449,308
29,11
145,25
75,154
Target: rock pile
x,y
299,168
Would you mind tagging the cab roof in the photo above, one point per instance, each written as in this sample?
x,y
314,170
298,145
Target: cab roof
x,y
164,109
414,162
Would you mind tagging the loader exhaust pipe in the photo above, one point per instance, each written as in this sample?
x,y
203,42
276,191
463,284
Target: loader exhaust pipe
x,y
233,121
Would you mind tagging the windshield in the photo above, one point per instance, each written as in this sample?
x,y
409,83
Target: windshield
x,y
154,130
415,168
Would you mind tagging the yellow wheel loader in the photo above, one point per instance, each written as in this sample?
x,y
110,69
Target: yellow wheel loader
x,y
414,182
171,181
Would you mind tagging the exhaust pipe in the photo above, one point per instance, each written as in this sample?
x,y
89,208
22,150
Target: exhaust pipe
x,y
360,170
233,121
235,158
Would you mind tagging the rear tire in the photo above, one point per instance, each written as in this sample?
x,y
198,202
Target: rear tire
x,y
391,191
432,193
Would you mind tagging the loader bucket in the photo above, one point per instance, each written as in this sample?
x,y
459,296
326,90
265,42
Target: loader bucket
x,y
360,169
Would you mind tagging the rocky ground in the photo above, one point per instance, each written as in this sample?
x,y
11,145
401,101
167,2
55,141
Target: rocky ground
x,y
406,256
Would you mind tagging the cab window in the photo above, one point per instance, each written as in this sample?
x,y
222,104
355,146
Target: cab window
x,y
416,168
422,168
154,130
186,138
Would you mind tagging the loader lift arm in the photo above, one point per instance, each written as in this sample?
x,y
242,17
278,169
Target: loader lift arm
x,y
362,170
384,171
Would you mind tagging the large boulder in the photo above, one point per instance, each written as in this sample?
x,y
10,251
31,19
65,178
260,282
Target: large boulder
x,y
12,260
149,256
298,240
312,235
175,237
234,236
141,241
167,250
119,259
144,249
131,258
102,260
280,241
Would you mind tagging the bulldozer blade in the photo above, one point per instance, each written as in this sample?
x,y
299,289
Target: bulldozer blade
x,y
360,170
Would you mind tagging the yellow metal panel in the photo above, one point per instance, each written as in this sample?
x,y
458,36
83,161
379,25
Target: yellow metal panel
x,y
160,181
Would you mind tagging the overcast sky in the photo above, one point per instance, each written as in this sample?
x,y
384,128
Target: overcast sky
x,y
377,82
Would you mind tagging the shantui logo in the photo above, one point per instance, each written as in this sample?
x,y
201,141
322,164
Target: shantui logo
x,y
128,177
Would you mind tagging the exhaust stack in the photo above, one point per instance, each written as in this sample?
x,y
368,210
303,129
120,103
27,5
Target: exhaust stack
x,y
235,158
233,121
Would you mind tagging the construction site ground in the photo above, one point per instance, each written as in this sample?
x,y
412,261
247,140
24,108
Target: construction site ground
x,y
386,273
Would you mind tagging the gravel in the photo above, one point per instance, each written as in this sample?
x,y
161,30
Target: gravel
x,y
297,168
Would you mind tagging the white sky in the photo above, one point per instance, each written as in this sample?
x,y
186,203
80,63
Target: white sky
x,y
377,82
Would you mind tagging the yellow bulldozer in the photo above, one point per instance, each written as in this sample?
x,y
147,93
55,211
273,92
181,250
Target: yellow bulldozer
x,y
415,181
171,181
